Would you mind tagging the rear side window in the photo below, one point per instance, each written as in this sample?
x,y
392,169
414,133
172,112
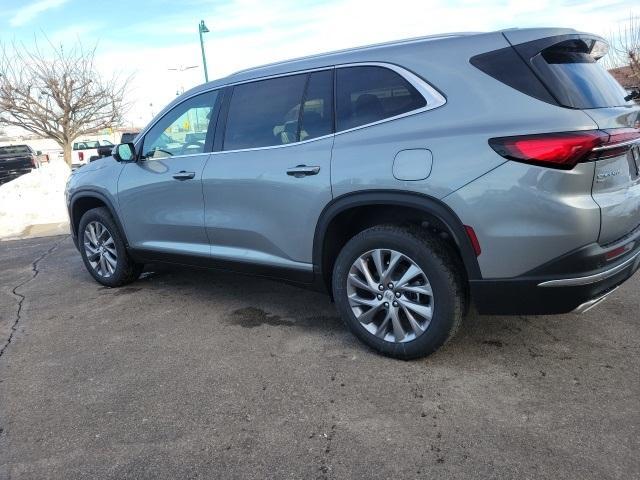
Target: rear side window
x,y
369,94
576,78
264,113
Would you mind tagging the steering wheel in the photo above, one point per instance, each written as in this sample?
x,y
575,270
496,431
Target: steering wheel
x,y
191,144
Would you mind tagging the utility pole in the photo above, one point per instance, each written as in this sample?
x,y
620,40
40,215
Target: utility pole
x,y
202,28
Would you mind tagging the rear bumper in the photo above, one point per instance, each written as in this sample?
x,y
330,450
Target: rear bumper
x,y
589,304
545,295
8,174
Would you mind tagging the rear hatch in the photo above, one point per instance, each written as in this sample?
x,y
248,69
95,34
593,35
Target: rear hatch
x,y
616,185
569,67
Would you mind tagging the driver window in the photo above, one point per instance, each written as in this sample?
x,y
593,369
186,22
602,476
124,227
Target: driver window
x,y
182,131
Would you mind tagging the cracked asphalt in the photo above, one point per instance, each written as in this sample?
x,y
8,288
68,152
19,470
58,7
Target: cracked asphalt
x,y
197,374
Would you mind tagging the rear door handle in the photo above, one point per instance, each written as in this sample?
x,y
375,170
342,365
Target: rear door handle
x,y
184,175
302,171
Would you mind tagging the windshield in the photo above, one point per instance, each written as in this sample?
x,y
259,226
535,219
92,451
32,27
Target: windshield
x,y
14,149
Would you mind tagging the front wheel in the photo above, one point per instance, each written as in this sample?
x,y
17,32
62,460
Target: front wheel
x,y
399,290
103,250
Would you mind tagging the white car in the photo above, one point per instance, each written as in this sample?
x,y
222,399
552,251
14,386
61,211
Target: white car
x,y
84,150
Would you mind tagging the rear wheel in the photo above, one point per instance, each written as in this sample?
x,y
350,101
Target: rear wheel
x,y
103,250
399,290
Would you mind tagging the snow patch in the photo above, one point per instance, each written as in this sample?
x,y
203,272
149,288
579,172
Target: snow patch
x,y
33,199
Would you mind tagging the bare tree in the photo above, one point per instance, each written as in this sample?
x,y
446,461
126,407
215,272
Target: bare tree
x,y
58,93
625,47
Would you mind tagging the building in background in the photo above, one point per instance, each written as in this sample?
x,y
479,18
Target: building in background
x,y
626,78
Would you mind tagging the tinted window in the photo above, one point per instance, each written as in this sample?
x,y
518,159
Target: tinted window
x,y
182,131
576,79
317,114
264,113
370,94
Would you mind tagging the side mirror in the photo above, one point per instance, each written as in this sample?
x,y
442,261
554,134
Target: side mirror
x,y
125,152
38,152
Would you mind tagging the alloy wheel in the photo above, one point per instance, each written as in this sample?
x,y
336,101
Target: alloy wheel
x,y
100,249
390,295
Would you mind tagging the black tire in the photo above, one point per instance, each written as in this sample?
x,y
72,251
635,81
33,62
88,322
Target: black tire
x,y
437,261
126,270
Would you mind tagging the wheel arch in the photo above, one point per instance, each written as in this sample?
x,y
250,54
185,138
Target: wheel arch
x,y
85,200
431,208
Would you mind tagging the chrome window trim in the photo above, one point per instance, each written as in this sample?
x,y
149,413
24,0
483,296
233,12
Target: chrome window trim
x,y
432,96
145,159
268,147
278,75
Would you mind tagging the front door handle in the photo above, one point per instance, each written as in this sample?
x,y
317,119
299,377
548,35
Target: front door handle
x,y
302,171
184,175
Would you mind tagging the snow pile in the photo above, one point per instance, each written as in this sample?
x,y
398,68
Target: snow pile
x,y
33,199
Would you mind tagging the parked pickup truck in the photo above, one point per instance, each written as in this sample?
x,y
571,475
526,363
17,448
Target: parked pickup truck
x,y
105,151
85,150
16,160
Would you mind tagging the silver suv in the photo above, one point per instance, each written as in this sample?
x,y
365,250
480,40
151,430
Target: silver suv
x,y
407,179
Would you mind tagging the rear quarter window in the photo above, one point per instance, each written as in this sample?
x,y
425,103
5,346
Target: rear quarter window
x,y
368,94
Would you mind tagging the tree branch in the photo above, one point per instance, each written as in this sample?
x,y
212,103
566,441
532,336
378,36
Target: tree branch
x,y
58,93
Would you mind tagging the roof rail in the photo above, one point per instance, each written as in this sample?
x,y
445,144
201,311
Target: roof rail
x,y
355,49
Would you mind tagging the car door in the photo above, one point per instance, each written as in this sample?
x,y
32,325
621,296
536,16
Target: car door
x,y
160,195
265,187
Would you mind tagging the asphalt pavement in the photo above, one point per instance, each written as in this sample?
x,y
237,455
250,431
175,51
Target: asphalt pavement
x,y
201,374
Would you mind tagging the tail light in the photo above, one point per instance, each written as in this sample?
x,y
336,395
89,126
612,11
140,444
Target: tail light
x,y
81,156
620,142
565,150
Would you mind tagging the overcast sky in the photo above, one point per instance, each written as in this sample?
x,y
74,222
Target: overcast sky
x,y
147,37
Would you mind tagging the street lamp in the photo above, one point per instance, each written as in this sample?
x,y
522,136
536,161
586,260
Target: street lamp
x,y
202,28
